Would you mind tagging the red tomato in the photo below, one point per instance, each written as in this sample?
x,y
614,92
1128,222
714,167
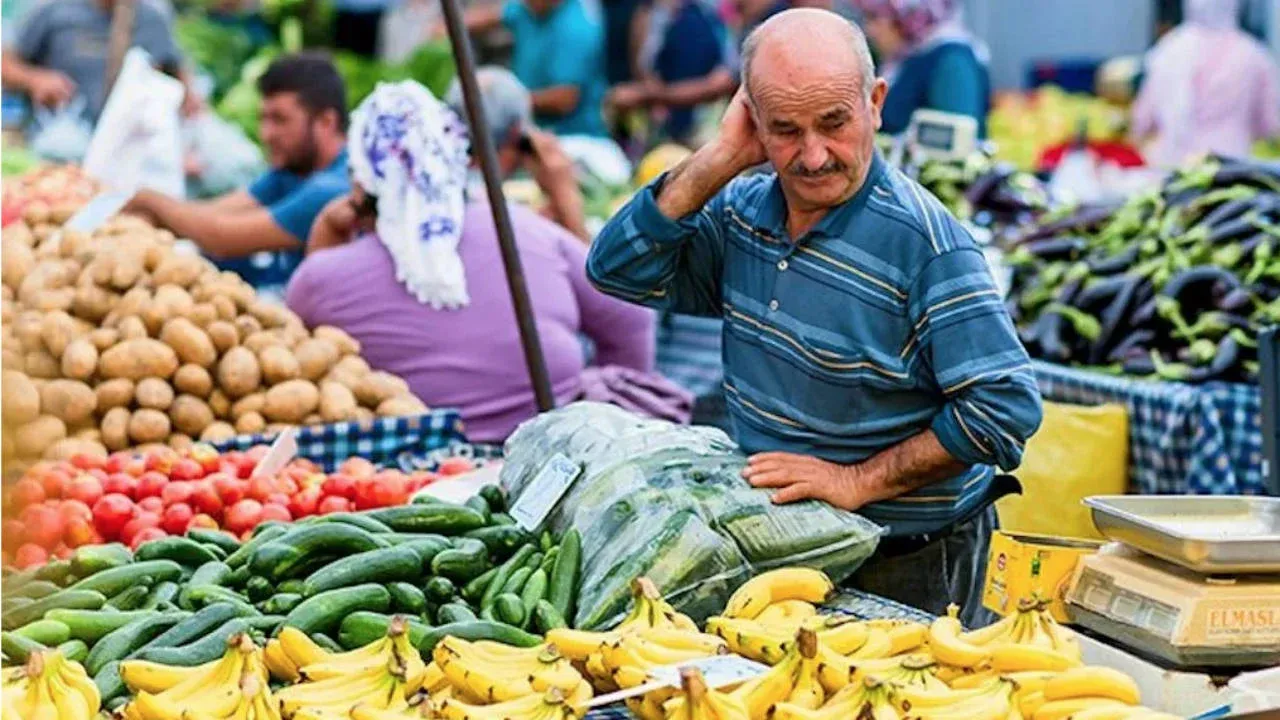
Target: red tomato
x,y
341,485
85,461
389,489
186,469
44,525
364,494
146,535
122,483
14,533
98,473
305,502
136,467
259,488
111,513
455,466
242,516
256,453
80,532
151,484
229,489
53,481
116,462
274,511
205,499
206,455
286,485
162,460
151,504
141,521
30,555
176,517
84,487
26,491
245,466
357,467
228,468
177,492
332,504
200,520
74,510
277,498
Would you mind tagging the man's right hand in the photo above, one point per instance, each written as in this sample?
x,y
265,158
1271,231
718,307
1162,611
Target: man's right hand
x,y
692,183
49,88
738,143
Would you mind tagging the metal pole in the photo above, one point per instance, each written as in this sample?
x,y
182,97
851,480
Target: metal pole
x,y
482,141
119,38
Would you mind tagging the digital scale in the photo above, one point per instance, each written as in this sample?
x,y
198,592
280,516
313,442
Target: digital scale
x,y
935,135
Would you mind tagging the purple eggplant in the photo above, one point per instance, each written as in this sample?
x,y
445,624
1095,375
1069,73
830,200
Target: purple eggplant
x,y
1103,265
1224,361
1084,219
1053,249
1112,316
1134,344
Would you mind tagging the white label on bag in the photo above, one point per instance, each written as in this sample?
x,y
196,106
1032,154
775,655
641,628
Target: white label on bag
x,y
717,670
544,491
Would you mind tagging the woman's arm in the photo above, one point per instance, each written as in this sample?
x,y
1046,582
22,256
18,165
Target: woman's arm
x,y
623,333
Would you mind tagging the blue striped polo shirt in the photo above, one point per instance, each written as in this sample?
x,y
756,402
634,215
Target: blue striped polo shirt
x,y
879,323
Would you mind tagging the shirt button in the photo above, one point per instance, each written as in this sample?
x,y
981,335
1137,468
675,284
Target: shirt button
x,y
782,264
773,304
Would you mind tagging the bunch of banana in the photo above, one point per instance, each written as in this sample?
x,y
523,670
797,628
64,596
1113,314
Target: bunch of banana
x,y
916,671
488,673
1102,691
992,701
697,702
795,679
904,635
290,651
229,687
787,615
868,699
949,648
797,583
551,705
48,687
1030,625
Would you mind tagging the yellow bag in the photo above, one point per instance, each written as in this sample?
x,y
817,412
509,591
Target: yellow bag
x,y
1078,451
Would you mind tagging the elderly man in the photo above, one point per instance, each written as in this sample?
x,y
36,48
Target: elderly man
x,y
869,361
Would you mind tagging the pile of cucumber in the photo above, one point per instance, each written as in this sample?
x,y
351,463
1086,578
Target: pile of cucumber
x,y
465,570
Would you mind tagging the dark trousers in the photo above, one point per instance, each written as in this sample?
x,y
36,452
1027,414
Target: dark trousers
x,y
357,32
950,569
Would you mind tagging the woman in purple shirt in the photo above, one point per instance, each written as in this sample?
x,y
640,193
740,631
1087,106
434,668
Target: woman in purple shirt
x,y
419,280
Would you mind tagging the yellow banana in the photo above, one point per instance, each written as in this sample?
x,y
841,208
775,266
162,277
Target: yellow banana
x,y
278,662
991,633
974,680
761,591
906,636
227,671
1062,709
764,691
697,702
1093,682
948,648
1029,703
807,691
579,644
1104,712
70,702
335,691
1016,658
300,649
878,645
141,675
750,639
787,614
842,633
44,707
73,674
652,610
704,643
551,705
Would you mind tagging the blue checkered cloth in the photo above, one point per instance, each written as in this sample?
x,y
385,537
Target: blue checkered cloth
x,y
381,441
1183,439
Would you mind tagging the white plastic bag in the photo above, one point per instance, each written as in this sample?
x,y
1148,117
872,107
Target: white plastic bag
x,y
62,135
405,27
226,157
137,142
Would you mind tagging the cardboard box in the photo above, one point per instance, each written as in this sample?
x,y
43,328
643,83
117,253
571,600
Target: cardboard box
x,y
1024,565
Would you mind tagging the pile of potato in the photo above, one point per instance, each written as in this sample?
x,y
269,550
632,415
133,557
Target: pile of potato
x,y
121,339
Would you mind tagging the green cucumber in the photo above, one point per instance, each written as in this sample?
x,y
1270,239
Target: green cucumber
x,y
480,505
563,584
486,614
75,650
281,603
55,571
285,556
468,559
474,590
440,589
130,599
446,519
242,555
494,496
362,627
14,581
504,574
214,572
17,648
534,589
266,624
326,642
237,577
454,612
383,565
196,597
14,603
546,618
46,632
548,564
426,545
262,527
206,649
110,686
192,628
509,609
501,519
324,612
117,580
516,582
163,596
120,643
502,540
545,543
406,598
37,589
215,538
182,550
258,589
478,630
364,522
69,598
92,625
296,585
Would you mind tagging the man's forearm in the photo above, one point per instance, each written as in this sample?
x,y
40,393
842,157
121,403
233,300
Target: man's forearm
x,y
911,464
14,72
566,207
695,181
558,100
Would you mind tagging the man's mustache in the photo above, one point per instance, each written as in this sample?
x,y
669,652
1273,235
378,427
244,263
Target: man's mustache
x,y
830,167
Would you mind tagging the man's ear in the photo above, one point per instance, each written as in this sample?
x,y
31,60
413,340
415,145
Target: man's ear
x,y
878,93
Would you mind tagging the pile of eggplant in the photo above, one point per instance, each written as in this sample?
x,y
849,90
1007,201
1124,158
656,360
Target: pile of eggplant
x,y
983,191
1174,284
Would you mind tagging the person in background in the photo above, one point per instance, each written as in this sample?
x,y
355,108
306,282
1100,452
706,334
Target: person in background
x,y
409,265
357,24
929,59
508,110
558,54
60,51
1209,88
260,232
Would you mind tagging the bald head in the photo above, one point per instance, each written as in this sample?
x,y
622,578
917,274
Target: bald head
x,y
807,44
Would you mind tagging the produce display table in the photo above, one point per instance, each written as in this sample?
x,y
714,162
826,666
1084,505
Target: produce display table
x,y
1183,439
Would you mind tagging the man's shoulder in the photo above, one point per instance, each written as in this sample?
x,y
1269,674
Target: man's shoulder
x,y
909,210
745,193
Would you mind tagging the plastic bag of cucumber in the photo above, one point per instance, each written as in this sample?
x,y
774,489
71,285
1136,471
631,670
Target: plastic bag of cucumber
x,y
668,502
465,570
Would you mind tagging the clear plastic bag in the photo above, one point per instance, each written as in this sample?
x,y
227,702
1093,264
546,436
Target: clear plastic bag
x,y
62,135
668,502
228,159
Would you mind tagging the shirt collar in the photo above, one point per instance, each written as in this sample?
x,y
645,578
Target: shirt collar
x,y
773,211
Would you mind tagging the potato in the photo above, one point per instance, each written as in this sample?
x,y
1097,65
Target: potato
x,y
103,338
219,403
269,314
217,432
364,415
246,325
13,360
154,393
277,428
224,306
337,402
133,302
291,401
169,302
74,243
40,364
16,260
190,415
295,333
132,328
278,365
35,213
193,380
345,344
202,314
137,359
313,419
190,342
315,357
253,402
115,429
93,303
179,269
64,449
401,405
33,438
178,441
223,334
126,269
56,332
21,399
114,393
148,425
238,373
71,401
261,340
80,359
250,423
376,387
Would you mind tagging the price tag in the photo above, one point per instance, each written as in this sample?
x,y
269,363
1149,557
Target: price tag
x,y
717,670
284,449
544,491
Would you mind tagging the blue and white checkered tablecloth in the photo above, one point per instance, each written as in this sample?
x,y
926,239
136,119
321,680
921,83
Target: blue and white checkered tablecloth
x,y
382,441
1183,439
